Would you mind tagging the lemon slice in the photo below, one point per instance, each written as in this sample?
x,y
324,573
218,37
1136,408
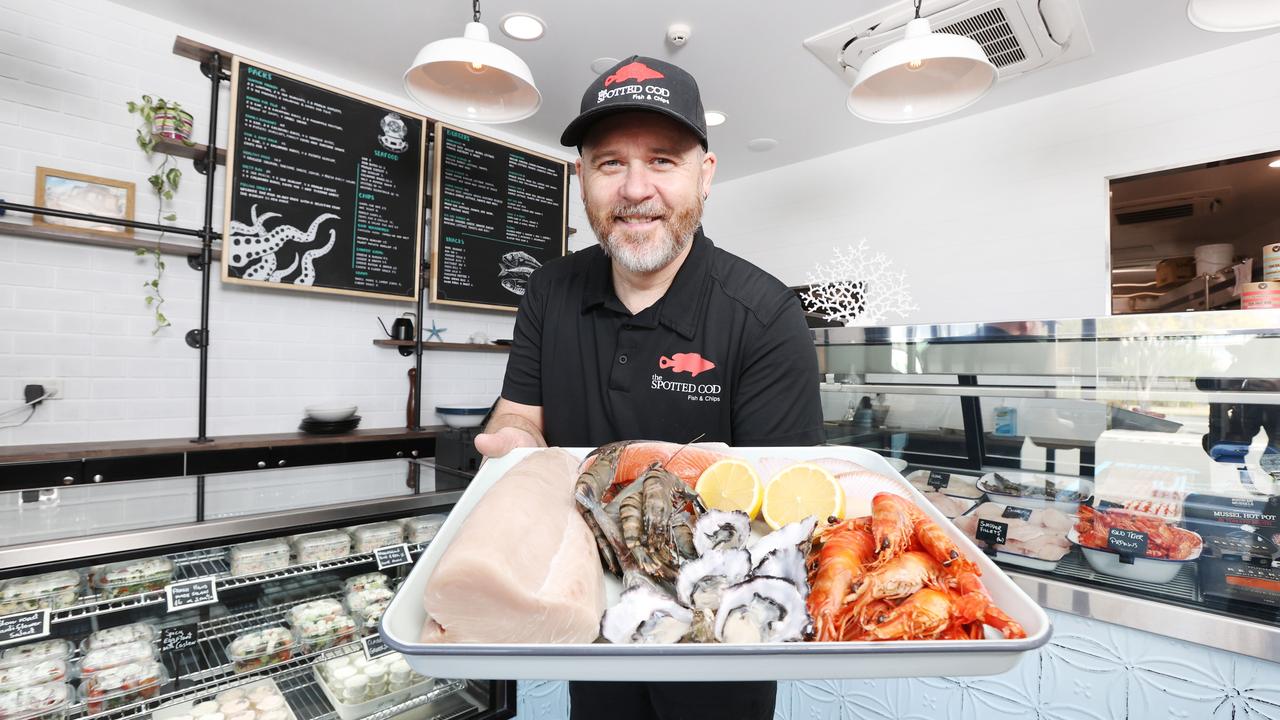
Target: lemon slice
x,y
731,484
799,491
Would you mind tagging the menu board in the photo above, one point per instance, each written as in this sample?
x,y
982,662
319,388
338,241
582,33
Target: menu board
x,y
325,189
498,213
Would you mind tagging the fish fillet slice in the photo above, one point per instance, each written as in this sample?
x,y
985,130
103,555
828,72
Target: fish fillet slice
x,y
523,568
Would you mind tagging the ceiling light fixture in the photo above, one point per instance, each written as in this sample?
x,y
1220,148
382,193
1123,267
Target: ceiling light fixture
x,y
1274,164
522,26
923,76
470,78
715,117
1233,15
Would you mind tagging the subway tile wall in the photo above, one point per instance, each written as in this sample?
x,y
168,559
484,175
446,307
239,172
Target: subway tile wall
x,y
76,312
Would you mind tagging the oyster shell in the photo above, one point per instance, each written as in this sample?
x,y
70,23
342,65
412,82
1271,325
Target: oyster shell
x,y
645,615
762,609
786,563
702,582
721,530
798,534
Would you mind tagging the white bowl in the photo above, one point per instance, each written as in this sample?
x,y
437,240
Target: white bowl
x,y
1143,569
462,416
330,412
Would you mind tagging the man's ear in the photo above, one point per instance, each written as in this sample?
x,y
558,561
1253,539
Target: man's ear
x,y
708,172
582,187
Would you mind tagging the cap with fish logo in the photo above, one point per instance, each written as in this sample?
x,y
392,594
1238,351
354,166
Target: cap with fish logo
x,y
640,83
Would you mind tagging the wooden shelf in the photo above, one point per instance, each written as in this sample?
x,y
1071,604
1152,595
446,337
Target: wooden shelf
x,y
124,242
460,347
194,151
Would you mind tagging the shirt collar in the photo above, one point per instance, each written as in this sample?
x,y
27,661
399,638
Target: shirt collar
x,y
681,306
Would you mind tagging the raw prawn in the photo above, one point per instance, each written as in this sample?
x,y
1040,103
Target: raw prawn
x,y
846,549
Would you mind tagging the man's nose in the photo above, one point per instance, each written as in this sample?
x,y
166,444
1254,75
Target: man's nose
x,y
638,184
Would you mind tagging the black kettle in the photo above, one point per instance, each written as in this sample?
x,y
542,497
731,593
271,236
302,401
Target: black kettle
x,y
401,329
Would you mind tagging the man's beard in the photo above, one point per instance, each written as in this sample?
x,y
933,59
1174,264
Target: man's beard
x,y
637,252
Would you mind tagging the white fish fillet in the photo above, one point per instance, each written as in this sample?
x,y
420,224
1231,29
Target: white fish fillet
x,y
523,568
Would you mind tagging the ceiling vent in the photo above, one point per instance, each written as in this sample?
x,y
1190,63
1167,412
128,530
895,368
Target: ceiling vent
x,y
1018,36
1171,207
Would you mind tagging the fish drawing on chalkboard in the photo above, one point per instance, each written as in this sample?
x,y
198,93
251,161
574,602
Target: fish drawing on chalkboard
x,y
514,269
252,246
393,133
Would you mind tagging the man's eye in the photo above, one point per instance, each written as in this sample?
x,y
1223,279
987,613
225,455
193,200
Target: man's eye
x,y
663,161
610,163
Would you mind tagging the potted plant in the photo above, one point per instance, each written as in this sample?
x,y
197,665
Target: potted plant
x,y
160,119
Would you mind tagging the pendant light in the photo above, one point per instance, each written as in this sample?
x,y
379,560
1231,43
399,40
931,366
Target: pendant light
x,y
1234,15
923,76
470,78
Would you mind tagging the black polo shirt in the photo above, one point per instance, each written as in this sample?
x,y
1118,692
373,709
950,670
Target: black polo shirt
x,y
725,354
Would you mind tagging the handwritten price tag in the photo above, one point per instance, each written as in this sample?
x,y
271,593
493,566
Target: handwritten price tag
x,y
392,555
992,532
1130,544
192,593
374,646
177,638
939,480
23,626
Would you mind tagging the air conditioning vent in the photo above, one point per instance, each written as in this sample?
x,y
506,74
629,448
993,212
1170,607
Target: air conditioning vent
x,y
1171,212
1018,36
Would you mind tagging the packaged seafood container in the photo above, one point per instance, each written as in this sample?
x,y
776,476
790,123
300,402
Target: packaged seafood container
x,y
34,673
315,610
132,577
53,590
36,651
38,702
403,622
326,632
423,528
259,557
259,698
143,632
367,538
260,648
122,685
321,546
1234,579
97,660
365,581
953,484
1143,569
1037,490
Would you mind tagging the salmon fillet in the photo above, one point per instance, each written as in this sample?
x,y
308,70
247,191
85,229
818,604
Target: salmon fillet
x,y
523,568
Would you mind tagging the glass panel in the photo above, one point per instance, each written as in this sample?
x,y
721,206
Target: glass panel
x,y
256,492
30,516
928,428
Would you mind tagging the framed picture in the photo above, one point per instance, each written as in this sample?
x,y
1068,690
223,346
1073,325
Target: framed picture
x,y
76,192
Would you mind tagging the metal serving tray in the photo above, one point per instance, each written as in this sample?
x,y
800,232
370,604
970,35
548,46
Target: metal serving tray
x,y
402,623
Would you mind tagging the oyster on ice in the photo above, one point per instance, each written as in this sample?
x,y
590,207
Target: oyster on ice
x,y
786,563
762,609
798,534
702,582
645,615
721,530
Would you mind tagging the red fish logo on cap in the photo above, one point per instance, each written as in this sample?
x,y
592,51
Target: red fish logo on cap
x,y
692,363
637,71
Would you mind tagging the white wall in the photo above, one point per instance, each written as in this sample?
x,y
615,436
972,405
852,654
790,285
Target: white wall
x,y
75,312
1003,215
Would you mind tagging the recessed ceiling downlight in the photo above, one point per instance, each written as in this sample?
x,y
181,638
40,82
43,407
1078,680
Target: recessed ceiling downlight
x,y
522,26
1233,15
762,144
715,117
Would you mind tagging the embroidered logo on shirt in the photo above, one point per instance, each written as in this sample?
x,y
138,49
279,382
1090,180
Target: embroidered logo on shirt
x,y
692,363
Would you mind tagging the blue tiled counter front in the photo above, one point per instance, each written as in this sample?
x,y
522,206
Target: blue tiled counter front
x,y
1090,670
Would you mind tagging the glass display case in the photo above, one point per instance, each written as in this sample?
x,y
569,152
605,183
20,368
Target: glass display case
x,y
1123,468
287,587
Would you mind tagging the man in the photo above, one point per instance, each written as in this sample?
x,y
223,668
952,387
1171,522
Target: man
x,y
655,333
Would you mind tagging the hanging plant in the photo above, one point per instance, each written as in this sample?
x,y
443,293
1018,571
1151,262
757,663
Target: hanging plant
x,y
160,119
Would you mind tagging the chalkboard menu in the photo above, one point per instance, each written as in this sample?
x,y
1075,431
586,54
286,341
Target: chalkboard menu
x,y
498,213
325,188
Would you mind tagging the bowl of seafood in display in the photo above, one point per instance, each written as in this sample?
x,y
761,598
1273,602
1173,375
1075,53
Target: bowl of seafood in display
x,y
655,560
1132,545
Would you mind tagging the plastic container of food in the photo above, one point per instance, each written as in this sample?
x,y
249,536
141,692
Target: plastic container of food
x,y
1035,539
402,624
39,702
367,538
37,672
355,711
143,632
953,484
132,577
53,590
36,651
358,600
315,610
423,528
1142,569
321,546
122,685
365,581
260,648
1037,490
97,660
259,557
326,632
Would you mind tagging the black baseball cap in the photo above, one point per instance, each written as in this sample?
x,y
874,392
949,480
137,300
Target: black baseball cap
x,y
640,83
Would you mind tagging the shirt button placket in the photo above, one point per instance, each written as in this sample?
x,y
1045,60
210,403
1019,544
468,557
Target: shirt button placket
x,y
620,377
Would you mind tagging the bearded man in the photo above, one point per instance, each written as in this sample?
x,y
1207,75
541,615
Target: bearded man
x,y
655,333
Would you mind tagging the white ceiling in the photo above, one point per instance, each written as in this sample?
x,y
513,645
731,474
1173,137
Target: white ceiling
x,y
747,55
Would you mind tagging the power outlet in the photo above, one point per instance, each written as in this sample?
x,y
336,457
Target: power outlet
x,y
51,385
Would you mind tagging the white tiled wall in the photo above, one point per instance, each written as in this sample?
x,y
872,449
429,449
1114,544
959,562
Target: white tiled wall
x,y
76,313
1003,214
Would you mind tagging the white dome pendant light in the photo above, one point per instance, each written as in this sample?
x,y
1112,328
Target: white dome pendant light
x,y
1234,15
923,76
469,78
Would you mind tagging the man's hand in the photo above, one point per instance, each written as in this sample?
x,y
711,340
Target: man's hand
x,y
504,440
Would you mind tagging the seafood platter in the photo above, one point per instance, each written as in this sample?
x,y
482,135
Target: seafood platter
x,y
1037,490
1159,551
623,561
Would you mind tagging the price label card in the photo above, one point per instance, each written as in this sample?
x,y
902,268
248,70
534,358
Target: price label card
x,y
939,480
177,638
23,626
1013,512
1106,505
374,646
392,555
1129,543
992,532
192,593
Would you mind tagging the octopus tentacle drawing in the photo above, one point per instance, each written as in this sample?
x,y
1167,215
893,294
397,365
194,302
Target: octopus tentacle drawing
x,y
262,270
252,243
279,275
308,274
